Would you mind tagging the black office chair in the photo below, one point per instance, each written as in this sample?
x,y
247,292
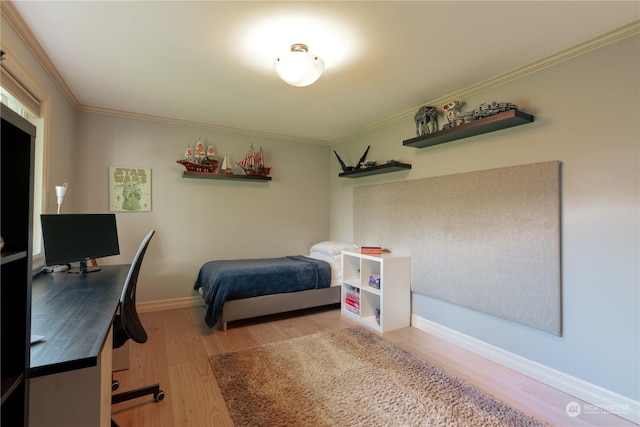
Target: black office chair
x,y
127,325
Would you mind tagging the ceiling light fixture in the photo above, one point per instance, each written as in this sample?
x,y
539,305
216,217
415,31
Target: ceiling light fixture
x,y
299,67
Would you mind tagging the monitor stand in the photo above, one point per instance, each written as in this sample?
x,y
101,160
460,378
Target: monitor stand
x,y
82,268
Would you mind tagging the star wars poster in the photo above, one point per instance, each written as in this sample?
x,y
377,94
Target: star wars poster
x,y
129,189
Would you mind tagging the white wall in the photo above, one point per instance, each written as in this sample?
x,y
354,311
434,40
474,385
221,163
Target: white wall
x,y
587,115
199,220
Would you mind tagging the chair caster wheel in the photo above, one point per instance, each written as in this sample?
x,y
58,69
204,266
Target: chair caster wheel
x,y
114,385
158,396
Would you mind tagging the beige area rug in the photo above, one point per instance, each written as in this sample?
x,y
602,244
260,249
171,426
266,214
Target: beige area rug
x,y
350,377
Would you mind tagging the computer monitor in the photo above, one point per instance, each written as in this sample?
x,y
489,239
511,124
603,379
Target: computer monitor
x,y
71,238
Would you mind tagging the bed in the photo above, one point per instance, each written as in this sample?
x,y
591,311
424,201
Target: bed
x,y
246,288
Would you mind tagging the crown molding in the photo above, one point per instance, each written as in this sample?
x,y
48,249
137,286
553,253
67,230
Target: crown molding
x,y
13,18
190,123
605,39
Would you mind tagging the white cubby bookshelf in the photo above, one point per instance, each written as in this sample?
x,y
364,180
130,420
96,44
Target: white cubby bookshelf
x,y
393,299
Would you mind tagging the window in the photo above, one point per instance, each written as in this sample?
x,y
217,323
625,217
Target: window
x,y
23,93
12,102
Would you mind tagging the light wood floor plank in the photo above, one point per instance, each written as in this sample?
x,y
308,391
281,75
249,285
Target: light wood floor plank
x,y
196,402
177,356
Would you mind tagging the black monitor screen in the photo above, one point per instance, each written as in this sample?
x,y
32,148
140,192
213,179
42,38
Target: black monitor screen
x,y
71,238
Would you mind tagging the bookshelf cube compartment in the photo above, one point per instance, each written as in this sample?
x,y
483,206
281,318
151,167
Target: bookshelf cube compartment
x,y
385,304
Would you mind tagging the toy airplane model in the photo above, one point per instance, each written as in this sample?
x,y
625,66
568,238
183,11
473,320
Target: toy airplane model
x,y
346,168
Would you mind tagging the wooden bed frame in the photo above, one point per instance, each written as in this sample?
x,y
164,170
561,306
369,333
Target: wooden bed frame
x,y
248,308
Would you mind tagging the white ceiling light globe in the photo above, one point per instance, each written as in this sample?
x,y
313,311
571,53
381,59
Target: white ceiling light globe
x,y
299,67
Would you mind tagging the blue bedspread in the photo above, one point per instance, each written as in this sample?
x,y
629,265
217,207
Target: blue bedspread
x,y
236,279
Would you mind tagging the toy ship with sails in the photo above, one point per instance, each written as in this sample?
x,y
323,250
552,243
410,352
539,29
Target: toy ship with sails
x,y
202,161
253,163
206,161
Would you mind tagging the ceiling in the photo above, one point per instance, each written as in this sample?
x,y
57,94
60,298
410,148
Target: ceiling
x,y
212,62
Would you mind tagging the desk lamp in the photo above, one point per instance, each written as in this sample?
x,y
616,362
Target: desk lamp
x,y
61,191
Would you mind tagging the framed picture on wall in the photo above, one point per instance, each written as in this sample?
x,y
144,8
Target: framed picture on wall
x,y
129,189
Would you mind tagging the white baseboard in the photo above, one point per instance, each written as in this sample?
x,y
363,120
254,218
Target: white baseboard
x,y
169,304
600,398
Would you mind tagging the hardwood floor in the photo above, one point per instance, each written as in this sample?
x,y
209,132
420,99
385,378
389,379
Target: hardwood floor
x,y
180,344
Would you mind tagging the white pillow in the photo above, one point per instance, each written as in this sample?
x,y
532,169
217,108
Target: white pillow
x,y
335,262
331,247
322,257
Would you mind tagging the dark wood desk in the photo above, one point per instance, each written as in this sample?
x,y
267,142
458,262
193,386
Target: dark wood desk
x,y
74,312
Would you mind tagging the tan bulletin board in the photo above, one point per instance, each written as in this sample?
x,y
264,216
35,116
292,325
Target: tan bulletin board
x,y
486,240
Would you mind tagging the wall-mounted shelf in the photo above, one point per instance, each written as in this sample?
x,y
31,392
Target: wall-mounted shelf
x,y
7,257
207,175
391,166
493,123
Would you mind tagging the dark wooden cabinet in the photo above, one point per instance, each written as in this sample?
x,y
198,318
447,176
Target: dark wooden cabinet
x,y
16,221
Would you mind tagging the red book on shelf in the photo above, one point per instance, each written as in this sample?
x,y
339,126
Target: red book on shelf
x,y
353,304
371,250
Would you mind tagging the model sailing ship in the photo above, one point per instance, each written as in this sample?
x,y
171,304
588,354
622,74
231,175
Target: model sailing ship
x,y
202,161
253,163
206,161
226,168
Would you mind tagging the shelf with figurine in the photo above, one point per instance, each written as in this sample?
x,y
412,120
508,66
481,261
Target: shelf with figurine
x,y
375,169
487,117
366,168
204,164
